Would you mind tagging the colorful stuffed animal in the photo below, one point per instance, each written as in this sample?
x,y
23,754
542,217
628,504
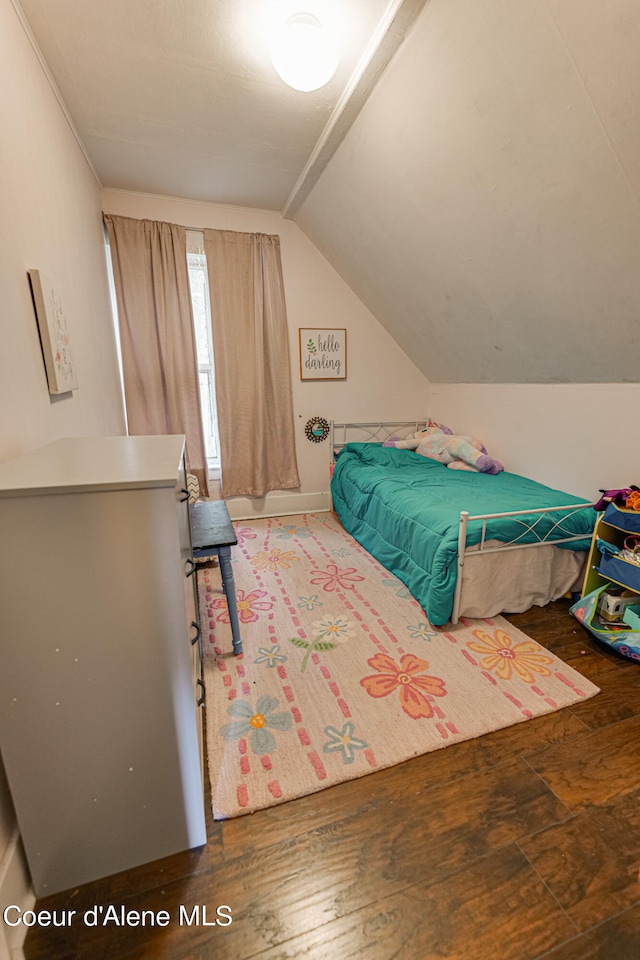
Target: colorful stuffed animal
x,y
457,452
625,497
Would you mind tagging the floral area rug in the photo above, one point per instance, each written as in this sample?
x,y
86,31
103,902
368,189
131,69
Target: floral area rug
x,y
342,674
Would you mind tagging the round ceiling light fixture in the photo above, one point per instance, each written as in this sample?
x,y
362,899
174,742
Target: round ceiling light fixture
x,y
303,53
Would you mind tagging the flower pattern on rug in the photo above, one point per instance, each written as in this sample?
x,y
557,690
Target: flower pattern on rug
x,y
247,604
271,657
320,645
335,579
336,628
308,603
506,658
394,584
275,559
243,534
334,671
344,742
290,530
422,631
254,724
408,677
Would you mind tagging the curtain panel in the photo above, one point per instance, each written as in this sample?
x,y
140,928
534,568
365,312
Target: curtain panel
x,y
157,335
253,371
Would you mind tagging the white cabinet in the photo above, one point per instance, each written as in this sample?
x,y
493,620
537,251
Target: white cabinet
x,y
99,731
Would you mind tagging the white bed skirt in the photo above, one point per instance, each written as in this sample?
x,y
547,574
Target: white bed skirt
x,y
514,581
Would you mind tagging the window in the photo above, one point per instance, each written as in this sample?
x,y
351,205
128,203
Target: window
x,y
199,285
201,308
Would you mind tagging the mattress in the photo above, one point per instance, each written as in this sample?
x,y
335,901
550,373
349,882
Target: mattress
x,y
405,510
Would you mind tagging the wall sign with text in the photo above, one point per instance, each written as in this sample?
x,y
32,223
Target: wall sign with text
x,y
53,328
323,354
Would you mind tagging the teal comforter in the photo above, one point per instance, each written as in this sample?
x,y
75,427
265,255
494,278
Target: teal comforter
x,y
405,510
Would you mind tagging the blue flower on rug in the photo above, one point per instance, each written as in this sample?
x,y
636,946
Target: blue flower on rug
x,y
308,603
290,530
343,741
254,723
394,584
271,657
341,552
421,630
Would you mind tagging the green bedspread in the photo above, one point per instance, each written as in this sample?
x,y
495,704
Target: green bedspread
x,y
405,510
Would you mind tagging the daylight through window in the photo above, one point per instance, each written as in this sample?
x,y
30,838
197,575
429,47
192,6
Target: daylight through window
x,y
199,285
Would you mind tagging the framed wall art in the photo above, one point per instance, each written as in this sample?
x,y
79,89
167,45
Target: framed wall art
x,y
323,353
54,334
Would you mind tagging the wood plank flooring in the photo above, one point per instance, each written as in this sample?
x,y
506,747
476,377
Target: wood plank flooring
x,y
520,845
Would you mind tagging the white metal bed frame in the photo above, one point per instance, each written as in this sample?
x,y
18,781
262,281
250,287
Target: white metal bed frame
x,y
343,433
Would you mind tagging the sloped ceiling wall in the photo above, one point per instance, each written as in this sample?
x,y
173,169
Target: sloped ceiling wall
x,y
485,204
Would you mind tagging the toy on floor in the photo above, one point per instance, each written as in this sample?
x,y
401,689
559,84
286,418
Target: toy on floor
x,y
437,442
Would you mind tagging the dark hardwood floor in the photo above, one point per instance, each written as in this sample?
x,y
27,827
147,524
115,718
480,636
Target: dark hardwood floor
x,y
519,845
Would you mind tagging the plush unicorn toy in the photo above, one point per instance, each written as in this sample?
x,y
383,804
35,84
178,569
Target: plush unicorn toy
x,y
457,452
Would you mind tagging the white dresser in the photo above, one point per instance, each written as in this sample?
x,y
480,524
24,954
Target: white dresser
x,y
99,657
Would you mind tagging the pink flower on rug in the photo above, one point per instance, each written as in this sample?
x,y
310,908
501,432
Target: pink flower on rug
x,y
244,533
506,658
415,687
247,604
335,579
276,558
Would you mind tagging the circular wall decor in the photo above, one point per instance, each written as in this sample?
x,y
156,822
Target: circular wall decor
x,y
317,429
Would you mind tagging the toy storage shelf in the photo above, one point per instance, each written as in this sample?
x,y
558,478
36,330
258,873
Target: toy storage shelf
x,y
612,615
613,526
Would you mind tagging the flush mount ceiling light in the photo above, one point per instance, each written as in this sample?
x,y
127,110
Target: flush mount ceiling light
x,y
303,53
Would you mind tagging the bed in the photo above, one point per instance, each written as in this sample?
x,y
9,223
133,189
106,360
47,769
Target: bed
x,y
465,544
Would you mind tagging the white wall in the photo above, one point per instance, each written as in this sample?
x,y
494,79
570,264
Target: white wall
x,y
382,382
51,220
485,203
573,437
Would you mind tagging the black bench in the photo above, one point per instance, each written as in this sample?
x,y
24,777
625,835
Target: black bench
x,y
212,534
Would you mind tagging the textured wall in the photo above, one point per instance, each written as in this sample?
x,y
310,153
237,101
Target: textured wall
x,y
484,205
50,220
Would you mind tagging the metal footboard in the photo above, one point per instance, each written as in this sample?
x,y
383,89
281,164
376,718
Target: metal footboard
x,y
528,527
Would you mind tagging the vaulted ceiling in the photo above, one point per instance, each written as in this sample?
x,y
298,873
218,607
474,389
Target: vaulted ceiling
x,y
472,171
485,204
180,98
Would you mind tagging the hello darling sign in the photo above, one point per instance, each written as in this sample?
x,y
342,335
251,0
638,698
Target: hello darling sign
x,y
323,354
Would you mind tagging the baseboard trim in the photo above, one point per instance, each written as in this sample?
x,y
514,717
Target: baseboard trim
x,y
278,505
15,888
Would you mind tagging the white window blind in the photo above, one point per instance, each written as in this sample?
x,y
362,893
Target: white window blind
x,y
199,284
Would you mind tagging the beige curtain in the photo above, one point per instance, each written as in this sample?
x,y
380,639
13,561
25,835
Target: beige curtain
x,y
253,373
157,336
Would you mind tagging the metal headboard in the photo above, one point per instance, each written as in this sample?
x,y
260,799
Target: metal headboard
x,y
343,433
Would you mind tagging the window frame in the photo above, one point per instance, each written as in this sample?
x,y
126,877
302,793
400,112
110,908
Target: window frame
x,y
201,312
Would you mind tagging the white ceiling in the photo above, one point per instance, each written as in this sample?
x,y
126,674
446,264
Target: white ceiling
x,y
179,97
472,171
